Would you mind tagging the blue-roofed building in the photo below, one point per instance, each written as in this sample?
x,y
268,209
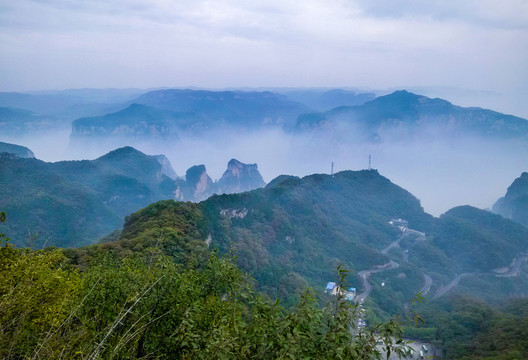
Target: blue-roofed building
x,y
330,287
350,294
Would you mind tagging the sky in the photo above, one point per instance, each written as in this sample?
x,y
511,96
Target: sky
x,y
479,47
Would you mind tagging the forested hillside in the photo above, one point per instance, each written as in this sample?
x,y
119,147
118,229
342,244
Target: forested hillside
x,y
107,303
294,232
74,203
289,236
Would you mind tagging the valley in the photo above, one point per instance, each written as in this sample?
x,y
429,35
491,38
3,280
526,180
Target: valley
x,y
291,233
268,180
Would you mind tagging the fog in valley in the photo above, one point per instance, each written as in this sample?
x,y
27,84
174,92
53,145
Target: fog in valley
x,y
441,172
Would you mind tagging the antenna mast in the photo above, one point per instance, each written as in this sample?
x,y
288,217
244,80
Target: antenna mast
x,y
332,169
370,158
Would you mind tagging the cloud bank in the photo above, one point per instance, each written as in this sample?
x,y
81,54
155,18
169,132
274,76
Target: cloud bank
x,y
478,45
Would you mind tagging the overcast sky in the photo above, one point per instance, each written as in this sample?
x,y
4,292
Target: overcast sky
x,y
376,44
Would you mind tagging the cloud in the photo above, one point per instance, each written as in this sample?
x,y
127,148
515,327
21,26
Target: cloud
x,y
376,44
488,13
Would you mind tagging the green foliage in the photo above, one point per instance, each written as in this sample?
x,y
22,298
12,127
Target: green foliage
x,y
147,306
470,329
308,226
295,231
37,294
74,203
479,240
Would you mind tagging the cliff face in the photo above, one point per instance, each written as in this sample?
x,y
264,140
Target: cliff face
x,y
514,205
166,167
240,177
199,181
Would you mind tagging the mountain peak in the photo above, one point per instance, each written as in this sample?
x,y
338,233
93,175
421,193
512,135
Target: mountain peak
x,y
240,177
122,151
514,205
196,176
235,167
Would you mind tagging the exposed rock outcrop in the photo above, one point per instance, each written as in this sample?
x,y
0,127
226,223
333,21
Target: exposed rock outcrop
x,y
166,167
514,205
197,185
240,177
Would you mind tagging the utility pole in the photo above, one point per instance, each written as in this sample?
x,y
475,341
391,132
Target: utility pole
x,y
332,169
370,158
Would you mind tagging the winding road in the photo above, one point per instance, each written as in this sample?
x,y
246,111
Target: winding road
x,y
427,285
364,275
515,269
393,244
451,285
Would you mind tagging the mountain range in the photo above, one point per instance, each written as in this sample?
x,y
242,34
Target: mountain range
x,y
406,115
246,109
72,203
400,116
295,231
14,121
167,114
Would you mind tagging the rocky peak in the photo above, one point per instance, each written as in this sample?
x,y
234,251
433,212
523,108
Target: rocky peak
x,y
514,205
166,167
519,187
196,177
240,177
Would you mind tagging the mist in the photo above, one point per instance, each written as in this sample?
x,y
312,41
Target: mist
x,y
441,172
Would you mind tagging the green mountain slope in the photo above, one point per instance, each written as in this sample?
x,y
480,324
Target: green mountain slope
x,y
71,203
296,231
74,203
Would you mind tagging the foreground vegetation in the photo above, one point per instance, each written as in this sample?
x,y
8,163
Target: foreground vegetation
x,y
467,328
146,305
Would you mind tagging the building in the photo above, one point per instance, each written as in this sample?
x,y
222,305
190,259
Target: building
x,y
399,222
350,294
333,289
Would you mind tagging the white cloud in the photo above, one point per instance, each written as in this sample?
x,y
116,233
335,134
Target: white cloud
x,y
71,43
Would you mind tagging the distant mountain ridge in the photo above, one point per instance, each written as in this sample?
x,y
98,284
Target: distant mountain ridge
x,y
248,109
324,100
406,114
165,114
135,120
17,121
514,205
